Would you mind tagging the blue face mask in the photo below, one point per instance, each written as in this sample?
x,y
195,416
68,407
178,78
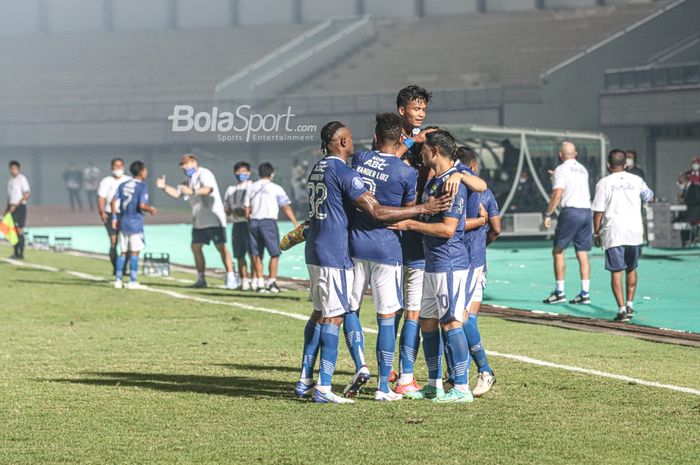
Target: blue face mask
x,y
243,176
189,172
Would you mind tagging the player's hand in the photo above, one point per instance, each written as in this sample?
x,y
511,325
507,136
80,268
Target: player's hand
x,y
400,226
160,182
597,240
547,222
452,184
114,224
420,137
436,205
104,217
185,189
483,213
153,211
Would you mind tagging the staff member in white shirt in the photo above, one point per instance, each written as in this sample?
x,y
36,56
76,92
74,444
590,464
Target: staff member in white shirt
x,y
105,193
263,203
617,210
571,192
208,215
234,201
17,198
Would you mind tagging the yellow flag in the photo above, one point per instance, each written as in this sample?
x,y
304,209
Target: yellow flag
x,y
7,227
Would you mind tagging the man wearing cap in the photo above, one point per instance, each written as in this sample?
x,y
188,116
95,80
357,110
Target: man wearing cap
x,y
208,215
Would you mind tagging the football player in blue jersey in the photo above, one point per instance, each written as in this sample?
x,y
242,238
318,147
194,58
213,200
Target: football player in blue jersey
x,y
482,226
443,302
412,104
132,198
334,191
376,250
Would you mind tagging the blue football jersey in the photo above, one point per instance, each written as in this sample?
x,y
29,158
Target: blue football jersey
x,y
475,240
446,254
332,186
393,183
131,195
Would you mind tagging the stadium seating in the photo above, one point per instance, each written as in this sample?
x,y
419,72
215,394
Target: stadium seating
x,y
477,50
129,66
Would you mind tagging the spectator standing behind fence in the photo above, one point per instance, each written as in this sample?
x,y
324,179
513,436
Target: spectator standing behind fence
x,y
73,179
631,165
693,174
263,203
618,214
91,181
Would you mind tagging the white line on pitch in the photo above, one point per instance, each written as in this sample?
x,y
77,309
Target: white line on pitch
x,y
298,316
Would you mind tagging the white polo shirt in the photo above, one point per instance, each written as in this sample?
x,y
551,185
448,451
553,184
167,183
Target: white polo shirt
x,y
207,210
16,188
108,188
619,196
265,199
234,200
572,177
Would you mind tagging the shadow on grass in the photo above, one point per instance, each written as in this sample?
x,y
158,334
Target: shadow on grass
x,y
62,281
263,367
254,296
233,386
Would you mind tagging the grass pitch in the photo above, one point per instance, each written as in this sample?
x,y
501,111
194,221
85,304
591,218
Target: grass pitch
x,y
90,374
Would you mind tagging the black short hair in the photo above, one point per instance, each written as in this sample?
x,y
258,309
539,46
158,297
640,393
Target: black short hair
x,y
241,164
265,170
14,163
388,127
136,167
633,152
466,155
114,160
327,132
617,158
411,93
444,142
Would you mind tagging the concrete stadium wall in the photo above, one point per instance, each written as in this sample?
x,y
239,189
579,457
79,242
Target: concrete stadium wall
x,y
265,12
28,16
203,13
510,5
71,15
320,10
450,7
137,14
19,17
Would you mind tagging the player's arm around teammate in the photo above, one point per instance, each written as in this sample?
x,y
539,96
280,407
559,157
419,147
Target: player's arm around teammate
x,y
446,273
333,185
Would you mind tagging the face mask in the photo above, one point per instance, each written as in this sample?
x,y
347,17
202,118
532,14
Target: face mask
x,y
695,166
243,176
118,173
504,176
189,172
629,163
523,180
680,185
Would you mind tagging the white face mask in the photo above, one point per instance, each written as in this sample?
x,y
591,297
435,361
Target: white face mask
x,y
629,163
695,166
118,173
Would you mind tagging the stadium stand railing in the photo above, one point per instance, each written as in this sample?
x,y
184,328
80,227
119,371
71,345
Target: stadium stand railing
x,y
298,59
652,76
